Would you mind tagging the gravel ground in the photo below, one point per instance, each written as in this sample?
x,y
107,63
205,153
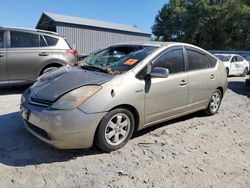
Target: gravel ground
x,y
192,151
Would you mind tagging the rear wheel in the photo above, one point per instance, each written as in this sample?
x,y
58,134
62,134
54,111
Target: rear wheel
x,y
244,72
115,129
214,103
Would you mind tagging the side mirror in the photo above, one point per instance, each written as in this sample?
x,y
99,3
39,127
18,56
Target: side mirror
x,y
159,72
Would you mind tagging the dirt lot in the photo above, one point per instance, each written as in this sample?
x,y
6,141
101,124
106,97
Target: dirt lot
x,y
193,151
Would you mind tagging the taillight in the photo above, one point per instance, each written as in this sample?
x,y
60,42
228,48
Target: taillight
x,y
72,51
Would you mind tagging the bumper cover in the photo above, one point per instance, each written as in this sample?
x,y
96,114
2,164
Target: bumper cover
x,y
63,129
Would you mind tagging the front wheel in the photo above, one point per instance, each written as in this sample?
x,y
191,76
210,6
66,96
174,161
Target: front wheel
x,y
214,103
115,129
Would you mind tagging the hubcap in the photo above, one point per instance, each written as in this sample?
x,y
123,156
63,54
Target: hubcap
x,y
215,102
117,129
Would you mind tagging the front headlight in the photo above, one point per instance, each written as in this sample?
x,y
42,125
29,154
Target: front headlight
x,y
75,98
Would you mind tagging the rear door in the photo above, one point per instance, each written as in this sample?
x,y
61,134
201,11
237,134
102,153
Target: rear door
x,y
167,97
3,67
25,54
202,78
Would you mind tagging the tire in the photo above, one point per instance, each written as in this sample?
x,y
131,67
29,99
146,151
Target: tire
x,y
227,71
244,72
49,69
214,103
115,130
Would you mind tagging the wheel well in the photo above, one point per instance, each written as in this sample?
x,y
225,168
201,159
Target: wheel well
x,y
133,110
221,90
50,65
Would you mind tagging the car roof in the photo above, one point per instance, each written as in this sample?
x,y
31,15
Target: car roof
x,y
30,30
228,54
156,43
162,44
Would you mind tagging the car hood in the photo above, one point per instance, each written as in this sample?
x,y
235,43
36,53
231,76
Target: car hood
x,y
55,84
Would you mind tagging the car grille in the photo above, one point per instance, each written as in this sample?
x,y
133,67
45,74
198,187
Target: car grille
x,y
37,130
40,102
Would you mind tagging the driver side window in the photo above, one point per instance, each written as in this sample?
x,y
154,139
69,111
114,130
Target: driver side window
x,y
173,61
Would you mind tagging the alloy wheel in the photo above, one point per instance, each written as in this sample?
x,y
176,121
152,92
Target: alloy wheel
x,y
117,129
215,102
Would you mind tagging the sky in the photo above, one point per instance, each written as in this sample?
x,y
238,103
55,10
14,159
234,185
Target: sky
x,y
26,13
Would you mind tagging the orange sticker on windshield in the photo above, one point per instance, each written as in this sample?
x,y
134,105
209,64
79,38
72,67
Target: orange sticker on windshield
x,y
130,61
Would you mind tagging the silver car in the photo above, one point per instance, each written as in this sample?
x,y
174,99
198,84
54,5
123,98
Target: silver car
x,y
26,54
122,89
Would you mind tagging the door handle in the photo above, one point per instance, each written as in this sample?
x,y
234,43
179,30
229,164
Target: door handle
x,y
212,76
43,54
2,55
183,83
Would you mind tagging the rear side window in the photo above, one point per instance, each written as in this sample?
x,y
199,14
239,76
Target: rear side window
x,y
196,60
51,41
172,60
22,40
211,61
239,58
2,39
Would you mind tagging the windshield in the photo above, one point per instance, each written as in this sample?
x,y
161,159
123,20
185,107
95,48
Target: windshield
x,y
223,58
118,59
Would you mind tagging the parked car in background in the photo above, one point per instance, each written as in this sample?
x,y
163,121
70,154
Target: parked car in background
x,y
113,96
27,54
235,64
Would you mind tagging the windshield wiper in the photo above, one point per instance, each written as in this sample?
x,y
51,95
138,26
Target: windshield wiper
x,y
93,68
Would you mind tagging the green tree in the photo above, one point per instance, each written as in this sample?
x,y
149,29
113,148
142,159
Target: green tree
x,y
210,24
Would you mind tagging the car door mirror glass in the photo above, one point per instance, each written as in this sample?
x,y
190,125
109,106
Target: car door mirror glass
x,y
159,72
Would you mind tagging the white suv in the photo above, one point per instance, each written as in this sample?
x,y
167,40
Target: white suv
x,y
235,64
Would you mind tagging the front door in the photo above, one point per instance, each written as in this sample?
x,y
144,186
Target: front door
x,y
3,67
234,65
241,64
167,97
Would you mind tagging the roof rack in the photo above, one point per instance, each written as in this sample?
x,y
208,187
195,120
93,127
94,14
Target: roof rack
x,y
28,29
45,31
